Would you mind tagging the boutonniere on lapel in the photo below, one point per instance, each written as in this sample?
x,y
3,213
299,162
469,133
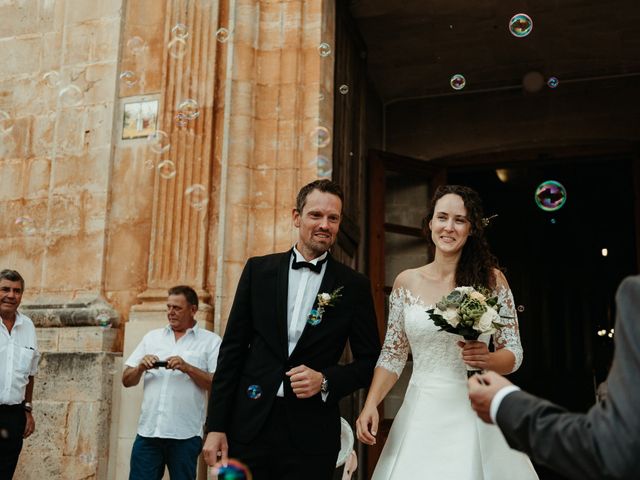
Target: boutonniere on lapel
x,y
324,300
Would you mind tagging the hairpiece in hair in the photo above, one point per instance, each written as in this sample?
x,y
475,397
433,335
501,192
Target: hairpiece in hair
x,y
487,220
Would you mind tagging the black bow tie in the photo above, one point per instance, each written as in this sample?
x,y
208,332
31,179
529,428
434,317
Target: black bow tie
x,y
317,268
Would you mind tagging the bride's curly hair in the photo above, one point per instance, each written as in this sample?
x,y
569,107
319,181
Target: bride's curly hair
x,y
477,263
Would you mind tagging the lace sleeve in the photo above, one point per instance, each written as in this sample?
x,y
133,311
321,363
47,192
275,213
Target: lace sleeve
x,y
508,336
396,346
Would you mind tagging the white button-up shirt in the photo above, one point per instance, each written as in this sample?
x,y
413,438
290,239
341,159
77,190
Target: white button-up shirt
x,y
173,406
303,289
18,359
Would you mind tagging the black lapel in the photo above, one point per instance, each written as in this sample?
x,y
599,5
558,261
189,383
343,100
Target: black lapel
x,y
282,292
326,286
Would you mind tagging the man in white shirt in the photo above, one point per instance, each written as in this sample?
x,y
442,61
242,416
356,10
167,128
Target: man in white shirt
x,y
178,362
18,364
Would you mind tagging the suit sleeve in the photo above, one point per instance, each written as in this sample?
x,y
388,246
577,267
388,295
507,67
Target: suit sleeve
x,y
604,443
232,355
365,347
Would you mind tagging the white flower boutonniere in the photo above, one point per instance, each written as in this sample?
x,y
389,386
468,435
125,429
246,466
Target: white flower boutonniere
x,y
324,300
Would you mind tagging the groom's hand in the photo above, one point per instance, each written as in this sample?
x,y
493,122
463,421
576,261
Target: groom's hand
x,y
305,382
216,449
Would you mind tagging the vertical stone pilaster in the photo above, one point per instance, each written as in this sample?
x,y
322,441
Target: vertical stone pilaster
x,y
178,238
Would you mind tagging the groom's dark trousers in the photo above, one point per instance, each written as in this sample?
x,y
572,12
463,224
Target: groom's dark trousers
x,y
282,438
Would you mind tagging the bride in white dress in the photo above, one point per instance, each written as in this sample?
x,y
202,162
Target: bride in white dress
x,y
436,434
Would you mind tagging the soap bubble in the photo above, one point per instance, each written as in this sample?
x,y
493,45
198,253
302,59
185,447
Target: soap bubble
x,y
128,78
520,25
254,392
458,82
324,49
550,196
197,196
177,47
180,30
167,169
159,141
320,137
136,45
52,79
26,225
71,95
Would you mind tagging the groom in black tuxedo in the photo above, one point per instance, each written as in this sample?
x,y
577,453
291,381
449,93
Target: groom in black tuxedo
x,y
274,400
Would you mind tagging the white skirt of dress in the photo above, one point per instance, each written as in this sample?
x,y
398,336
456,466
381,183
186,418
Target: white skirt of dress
x,y
436,435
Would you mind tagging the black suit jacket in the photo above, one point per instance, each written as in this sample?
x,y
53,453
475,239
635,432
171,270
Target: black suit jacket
x,y
254,351
604,443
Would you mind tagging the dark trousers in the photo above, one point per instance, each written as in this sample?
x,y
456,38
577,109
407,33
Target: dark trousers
x,y
149,457
274,456
12,423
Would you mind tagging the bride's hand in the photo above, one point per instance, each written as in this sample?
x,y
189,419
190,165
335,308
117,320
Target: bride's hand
x,y
475,354
367,425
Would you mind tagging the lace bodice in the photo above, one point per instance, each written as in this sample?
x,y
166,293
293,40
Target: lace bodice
x,y
436,353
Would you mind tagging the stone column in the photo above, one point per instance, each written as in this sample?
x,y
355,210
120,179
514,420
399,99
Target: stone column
x,y
178,238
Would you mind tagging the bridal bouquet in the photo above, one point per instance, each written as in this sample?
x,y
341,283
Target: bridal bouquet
x,y
467,312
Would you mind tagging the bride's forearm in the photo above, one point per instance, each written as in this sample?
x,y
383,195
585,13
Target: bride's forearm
x,y
502,361
383,381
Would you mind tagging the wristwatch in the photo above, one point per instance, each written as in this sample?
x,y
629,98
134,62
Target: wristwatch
x,y
27,406
324,386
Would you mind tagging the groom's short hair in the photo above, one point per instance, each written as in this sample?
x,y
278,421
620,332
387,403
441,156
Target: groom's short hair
x,y
326,186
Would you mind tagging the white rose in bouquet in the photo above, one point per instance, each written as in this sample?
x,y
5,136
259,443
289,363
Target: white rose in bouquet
x,y
485,323
325,298
451,316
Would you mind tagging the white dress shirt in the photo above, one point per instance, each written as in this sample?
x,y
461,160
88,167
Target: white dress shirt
x,y
18,359
173,406
304,285
497,400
